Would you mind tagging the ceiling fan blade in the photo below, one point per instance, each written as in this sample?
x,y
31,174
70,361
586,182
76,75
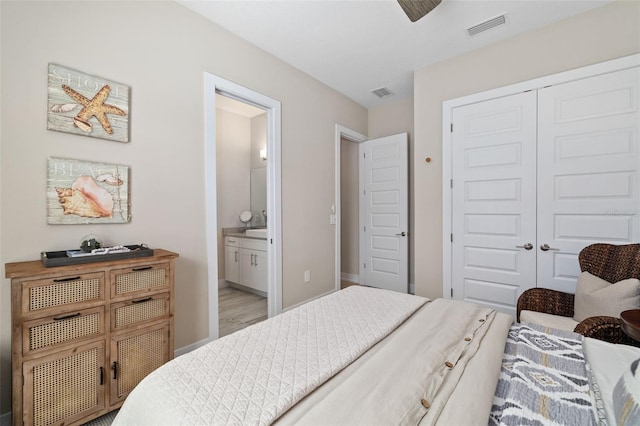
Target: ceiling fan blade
x,y
416,9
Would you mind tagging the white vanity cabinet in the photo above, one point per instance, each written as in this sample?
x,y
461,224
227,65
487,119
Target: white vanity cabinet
x,y
246,262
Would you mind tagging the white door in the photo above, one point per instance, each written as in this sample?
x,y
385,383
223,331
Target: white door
x,y
494,201
588,181
384,232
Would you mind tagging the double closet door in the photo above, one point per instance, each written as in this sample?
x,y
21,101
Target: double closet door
x,y
537,176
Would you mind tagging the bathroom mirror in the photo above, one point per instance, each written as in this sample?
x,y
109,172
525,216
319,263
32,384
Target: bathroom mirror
x,y
259,195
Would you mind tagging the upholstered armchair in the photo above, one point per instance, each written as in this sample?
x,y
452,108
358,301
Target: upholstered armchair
x,y
612,263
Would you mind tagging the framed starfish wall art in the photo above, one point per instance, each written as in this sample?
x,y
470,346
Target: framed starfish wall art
x,y
87,105
80,192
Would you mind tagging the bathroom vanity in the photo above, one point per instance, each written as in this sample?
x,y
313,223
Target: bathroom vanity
x,y
245,261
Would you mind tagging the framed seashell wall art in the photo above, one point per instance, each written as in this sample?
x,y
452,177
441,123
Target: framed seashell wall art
x,y
87,105
80,192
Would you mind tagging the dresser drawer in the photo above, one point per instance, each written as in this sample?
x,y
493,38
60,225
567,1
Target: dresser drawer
x,y
49,332
138,311
139,279
40,296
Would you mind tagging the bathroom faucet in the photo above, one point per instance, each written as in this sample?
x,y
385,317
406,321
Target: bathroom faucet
x,y
264,213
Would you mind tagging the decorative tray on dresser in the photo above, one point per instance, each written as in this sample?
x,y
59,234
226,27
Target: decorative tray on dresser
x,y
83,336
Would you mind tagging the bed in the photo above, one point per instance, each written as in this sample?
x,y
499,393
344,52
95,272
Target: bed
x,y
374,357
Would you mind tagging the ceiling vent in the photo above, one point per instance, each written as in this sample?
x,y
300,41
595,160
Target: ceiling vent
x,y
382,92
487,25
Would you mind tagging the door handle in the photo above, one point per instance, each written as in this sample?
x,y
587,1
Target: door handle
x,y
402,234
527,246
545,247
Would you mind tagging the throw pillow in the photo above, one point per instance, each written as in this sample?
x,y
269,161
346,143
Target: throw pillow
x,y
626,396
595,297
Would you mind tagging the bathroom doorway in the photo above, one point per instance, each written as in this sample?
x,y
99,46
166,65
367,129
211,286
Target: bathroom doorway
x,y
242,156
241,171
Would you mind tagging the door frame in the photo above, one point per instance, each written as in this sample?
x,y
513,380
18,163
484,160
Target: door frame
x,y
355,137
214,84
447,123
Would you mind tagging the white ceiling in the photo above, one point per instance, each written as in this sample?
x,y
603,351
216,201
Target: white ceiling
x,y
355,46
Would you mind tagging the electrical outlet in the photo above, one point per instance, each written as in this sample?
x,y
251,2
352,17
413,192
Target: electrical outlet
x,y
307,276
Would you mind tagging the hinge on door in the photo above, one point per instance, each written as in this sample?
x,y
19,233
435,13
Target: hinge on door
x,y
364,155
365,266
451,183
365,228
451,127
451,291
451,237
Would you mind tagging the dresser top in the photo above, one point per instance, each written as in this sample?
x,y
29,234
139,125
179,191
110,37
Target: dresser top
x,y
35,267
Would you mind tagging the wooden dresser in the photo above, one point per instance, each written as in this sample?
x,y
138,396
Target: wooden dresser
x,y
83,336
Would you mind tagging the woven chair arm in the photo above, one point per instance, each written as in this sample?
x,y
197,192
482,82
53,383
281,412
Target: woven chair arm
x,y
547,301
604,328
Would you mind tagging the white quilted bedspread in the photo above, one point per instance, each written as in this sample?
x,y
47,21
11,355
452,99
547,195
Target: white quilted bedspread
x,y
254,375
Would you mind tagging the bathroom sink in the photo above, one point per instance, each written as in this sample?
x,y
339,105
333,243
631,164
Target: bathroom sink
x,y
259,233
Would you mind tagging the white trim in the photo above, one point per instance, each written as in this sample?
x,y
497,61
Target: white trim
x,y
223,283
412,288
353,136
186,349
273,108
447,112
350,277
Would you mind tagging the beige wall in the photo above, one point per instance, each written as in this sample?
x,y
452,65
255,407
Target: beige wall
x,y
390,119
349,208
161,50
609,32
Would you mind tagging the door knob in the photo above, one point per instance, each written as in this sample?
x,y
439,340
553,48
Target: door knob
x,y
545,247
527,246
402,234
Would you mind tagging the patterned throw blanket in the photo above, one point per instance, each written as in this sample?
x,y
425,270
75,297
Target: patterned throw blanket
x,y
543,380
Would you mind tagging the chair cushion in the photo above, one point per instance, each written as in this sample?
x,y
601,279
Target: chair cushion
x,y
596,297
547,320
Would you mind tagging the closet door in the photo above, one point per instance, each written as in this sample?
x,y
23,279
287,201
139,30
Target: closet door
x,y
494,200
588,180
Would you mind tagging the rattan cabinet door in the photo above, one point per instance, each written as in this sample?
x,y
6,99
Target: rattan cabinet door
x,y
134,356
64,387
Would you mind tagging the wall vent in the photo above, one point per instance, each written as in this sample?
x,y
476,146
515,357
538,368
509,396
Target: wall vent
x,y
382,92
487,25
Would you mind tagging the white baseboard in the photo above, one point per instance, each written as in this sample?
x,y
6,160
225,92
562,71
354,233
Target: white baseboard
x,y
5,419
188,348
223,283
350,277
